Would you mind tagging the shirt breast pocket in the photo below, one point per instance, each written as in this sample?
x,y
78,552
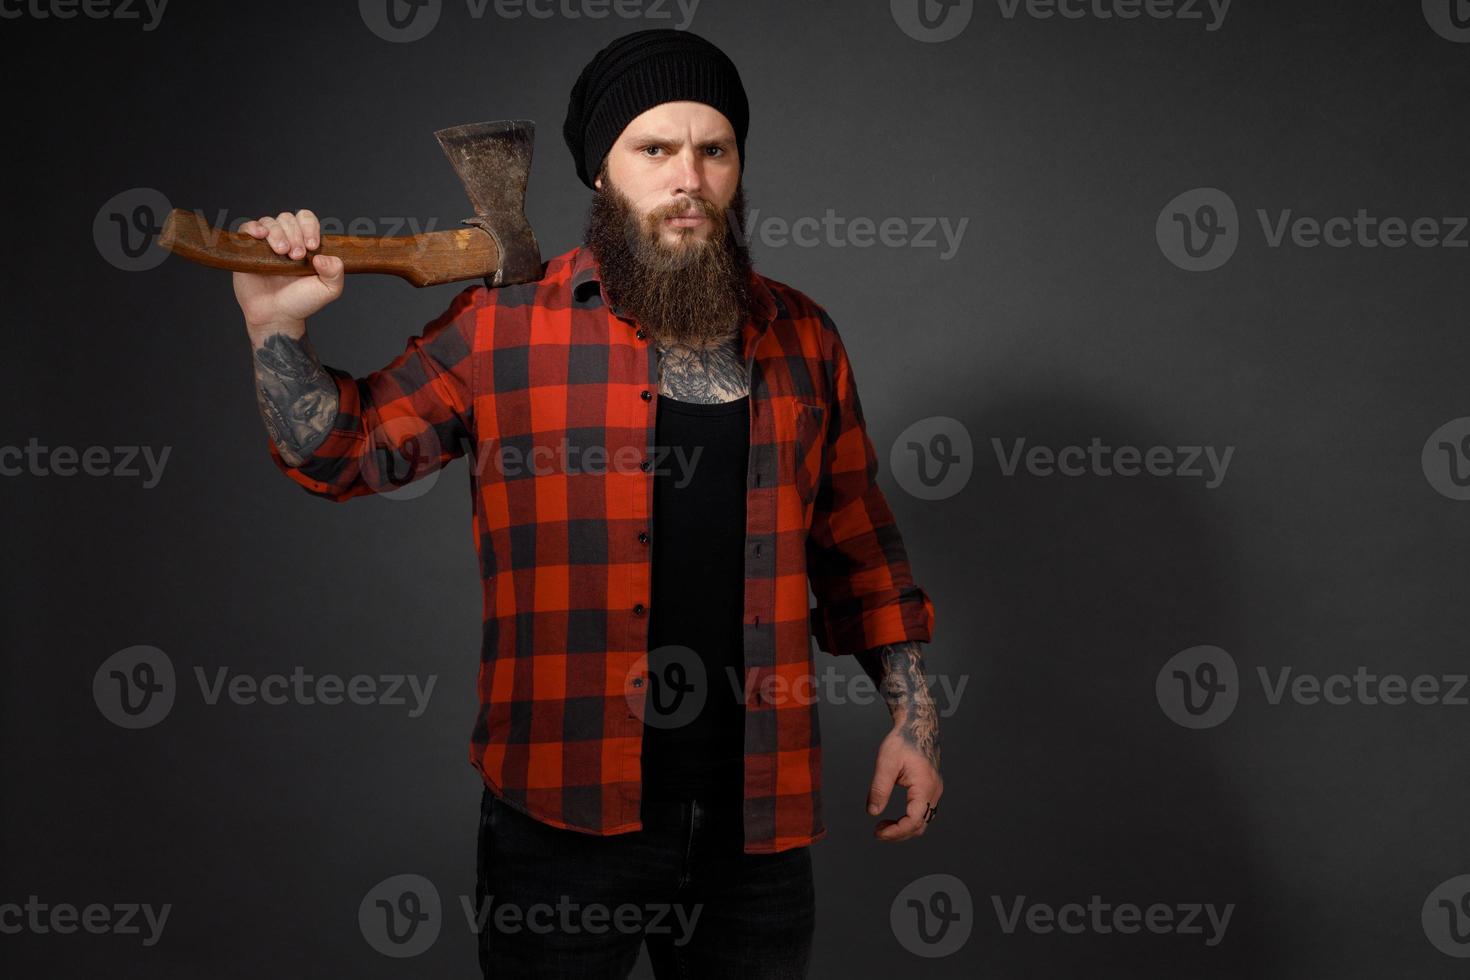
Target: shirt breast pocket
x,y
810,426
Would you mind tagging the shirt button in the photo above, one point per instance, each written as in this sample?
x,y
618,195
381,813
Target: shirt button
x,y
638,609
637,682
643,536
641,333
757,549
645,394
645,465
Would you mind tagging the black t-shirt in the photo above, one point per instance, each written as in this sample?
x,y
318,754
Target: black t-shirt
x,y
694,722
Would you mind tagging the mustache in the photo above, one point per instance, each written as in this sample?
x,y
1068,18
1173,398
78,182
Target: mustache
x,y
687,207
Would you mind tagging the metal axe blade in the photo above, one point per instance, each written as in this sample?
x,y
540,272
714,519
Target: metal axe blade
x,y
493,161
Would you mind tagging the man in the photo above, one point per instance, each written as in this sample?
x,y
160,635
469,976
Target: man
x,y
666,447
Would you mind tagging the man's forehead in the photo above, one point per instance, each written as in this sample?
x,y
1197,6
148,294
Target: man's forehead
x,y
672,120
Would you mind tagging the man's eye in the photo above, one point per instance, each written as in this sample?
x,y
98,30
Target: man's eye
x,y
716,149
647,148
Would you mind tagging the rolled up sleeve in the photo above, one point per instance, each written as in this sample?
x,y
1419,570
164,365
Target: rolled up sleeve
x,y
404,421
856,560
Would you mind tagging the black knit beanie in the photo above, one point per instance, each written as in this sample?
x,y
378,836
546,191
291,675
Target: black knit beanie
x,y
639,71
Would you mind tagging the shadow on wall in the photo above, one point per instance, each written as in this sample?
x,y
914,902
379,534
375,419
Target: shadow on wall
x,y
1086,586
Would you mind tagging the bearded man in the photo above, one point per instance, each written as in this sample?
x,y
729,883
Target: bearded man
x,y
647,735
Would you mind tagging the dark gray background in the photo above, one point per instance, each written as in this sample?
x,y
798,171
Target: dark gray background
x,y
1058,600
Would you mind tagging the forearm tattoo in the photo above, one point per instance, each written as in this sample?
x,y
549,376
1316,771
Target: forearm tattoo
x,y
898,670
297,398
710,375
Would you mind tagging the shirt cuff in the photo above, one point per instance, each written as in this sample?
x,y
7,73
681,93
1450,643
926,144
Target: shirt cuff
x,y
342,444
910,617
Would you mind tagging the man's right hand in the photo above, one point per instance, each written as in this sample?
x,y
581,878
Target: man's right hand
x,y
281,304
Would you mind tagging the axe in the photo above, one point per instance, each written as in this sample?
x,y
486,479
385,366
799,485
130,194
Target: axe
x,y
493,161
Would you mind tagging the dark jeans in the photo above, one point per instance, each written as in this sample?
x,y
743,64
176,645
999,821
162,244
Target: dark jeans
x,y
566,904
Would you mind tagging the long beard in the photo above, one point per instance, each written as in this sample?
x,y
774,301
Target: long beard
x,y
695,292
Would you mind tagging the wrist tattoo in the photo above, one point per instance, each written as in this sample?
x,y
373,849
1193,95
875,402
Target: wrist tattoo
x,y
898,670
297,398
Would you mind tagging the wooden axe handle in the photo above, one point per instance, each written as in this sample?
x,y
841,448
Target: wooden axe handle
x,y
425,259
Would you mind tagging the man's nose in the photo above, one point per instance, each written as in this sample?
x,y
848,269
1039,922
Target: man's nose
x,y
690,176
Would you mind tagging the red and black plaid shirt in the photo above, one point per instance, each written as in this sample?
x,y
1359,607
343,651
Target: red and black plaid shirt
x,y
554,396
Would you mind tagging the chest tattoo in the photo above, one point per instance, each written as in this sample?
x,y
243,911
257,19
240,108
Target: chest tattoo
x,y
709,375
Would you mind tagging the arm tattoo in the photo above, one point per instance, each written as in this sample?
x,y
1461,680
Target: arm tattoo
x,y
297,398
898,670
710,375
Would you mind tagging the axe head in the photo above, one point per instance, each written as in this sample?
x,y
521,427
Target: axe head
x,y
493,161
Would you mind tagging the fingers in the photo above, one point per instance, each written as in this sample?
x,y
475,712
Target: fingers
x,y
310,228
885,774
329,269
287,233
912,823
295,241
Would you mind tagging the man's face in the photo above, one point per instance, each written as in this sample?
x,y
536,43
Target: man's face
x,y
666,225
678,166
